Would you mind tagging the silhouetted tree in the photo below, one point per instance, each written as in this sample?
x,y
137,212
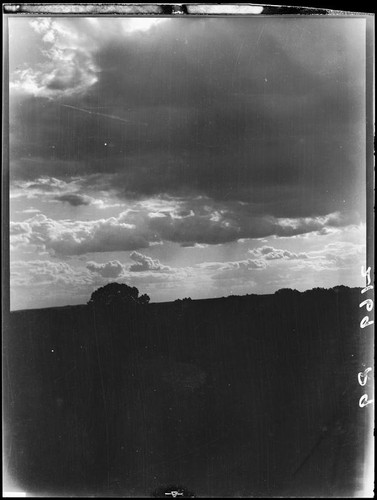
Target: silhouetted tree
x,y
185,300
144,299
117,294
283,291
340,288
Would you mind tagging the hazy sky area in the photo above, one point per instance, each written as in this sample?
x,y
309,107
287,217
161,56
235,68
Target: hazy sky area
x,y
196,157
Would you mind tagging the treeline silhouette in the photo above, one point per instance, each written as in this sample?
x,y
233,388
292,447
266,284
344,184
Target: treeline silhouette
x,y
239,396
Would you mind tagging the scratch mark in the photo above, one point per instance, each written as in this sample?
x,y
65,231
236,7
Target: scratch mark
x,y
260,34
253,52
237,60
89,112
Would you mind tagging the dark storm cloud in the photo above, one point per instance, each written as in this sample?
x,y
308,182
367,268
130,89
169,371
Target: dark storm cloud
x,y
112,269
264,111
75,200
137,229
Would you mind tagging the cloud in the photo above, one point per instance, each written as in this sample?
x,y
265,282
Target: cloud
x,y
130,25
134,229
68,67
339,256
30,211
271,253
48,283
200,227
112,269
242,102
45,186
233,272
149,273
74,199
243,265
20,234
18,228
66,237
105,203
45,272
51,189
146,273
216,223
145,263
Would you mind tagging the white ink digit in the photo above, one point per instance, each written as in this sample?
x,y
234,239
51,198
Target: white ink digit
x,y
368,303
362,377
366,274
364,401
365,322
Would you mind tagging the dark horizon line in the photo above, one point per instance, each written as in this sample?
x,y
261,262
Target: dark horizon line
x,y
208,298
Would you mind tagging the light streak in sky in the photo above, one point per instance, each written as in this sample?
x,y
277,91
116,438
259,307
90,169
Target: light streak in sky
x,y
83,110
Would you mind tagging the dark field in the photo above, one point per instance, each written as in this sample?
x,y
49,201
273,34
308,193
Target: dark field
x,y
235,397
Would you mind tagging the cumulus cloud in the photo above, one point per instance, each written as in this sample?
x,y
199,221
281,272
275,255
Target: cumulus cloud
x,y
243,265
30,211
145,263
68,67
44,186
339,256
146,271
74,199
300,225
205,221
66,237
112,269
200,227
214,223
45,272
51,189
271,253
235,271
134,229
20,234
18,228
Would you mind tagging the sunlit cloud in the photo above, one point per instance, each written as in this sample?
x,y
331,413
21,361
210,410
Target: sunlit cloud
x,y
131,25
67,69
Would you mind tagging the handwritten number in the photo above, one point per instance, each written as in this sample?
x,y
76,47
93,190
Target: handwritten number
x,y
364,401
362,377
368,303
365,322
366,274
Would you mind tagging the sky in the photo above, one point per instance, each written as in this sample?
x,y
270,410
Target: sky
x,y
189,157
